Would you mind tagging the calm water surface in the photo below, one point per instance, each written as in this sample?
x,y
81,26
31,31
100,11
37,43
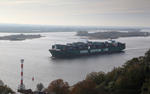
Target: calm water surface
x,y
39,64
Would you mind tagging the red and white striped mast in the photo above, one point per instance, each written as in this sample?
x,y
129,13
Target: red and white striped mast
x,y
22,60
22,86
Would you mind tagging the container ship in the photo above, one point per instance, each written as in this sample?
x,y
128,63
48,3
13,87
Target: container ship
x,y
77,49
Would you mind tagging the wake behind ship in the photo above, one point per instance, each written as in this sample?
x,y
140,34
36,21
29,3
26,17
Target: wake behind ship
x,y
89,48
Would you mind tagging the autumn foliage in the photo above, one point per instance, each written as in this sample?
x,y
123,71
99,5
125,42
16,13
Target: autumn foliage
x,y
58,87
84,87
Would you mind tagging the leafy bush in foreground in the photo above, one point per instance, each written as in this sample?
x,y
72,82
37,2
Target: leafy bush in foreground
x,y
132,78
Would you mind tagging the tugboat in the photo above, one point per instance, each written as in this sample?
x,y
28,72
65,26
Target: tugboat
x,y
77,49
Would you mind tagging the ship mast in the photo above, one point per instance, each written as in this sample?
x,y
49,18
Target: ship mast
x,y
21,86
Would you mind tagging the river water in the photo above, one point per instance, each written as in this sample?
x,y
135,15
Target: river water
x,y
39,64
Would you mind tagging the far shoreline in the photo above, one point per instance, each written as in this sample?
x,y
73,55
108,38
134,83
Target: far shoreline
x,y
20,37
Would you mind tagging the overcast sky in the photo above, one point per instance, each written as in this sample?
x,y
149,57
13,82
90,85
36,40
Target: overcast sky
x,y
76,12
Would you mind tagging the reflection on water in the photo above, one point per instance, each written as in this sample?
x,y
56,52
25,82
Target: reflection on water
x,y
38,61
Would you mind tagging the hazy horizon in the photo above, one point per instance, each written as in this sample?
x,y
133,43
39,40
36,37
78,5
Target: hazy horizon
x,y
76,12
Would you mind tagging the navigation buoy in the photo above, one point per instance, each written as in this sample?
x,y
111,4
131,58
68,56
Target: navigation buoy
x,y
32,78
